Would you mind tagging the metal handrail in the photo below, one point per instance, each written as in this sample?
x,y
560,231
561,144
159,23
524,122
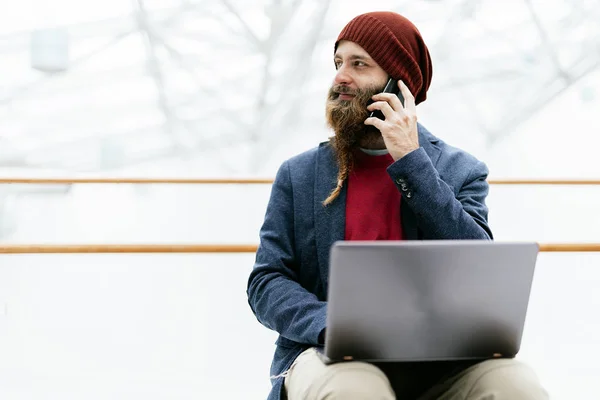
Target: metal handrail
x,y
209,248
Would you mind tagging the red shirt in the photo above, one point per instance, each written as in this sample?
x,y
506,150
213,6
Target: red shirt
x,y
373,201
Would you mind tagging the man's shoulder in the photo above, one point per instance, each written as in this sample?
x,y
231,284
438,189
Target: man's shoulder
x,y
450,153
456,154
309,157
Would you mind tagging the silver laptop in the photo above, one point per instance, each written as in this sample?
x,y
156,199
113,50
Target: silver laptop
x,y
427,300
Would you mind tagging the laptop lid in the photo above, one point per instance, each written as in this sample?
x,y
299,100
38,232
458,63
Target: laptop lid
x,y
427,300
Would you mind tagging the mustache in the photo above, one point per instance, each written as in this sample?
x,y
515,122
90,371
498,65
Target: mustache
x,y
361,95
336,90
342,89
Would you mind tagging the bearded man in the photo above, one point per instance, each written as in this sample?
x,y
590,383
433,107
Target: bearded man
x,y
375,179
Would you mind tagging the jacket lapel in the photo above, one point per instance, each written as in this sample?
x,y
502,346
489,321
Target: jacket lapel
x,y
330,221
409,220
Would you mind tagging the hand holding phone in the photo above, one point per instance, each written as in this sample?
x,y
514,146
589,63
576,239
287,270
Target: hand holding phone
x,y
400,134
390,87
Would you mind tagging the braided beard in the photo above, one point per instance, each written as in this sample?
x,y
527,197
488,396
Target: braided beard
x,y
346,119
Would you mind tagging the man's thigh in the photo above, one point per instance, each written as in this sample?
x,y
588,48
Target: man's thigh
x,y
501,379
310,378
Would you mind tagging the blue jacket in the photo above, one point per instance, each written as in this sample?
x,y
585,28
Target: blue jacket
x,y
444,191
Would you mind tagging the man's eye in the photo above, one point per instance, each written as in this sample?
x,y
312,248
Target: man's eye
x,y
359,64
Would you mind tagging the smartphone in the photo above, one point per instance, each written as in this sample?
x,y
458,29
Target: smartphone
x,y
390,87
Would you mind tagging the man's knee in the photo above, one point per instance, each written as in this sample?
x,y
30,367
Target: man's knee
x,y
502,379
309,378
353,381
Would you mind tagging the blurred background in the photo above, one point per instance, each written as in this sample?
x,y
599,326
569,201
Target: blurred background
x,y
231,88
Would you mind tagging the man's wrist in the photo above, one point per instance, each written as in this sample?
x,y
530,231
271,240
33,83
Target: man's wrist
x,y
402,153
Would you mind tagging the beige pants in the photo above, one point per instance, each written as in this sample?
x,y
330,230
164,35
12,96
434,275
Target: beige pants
x,y
502,379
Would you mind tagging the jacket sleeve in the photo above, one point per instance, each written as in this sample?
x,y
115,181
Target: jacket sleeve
x,y
440,213
276,298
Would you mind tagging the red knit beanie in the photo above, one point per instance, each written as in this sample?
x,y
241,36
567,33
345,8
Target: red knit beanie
x,y
396,45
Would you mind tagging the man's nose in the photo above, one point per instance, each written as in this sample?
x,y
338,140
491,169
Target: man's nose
x,y
342,77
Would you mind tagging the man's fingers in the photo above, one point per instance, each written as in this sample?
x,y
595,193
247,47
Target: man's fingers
x,y
384,107
409,99
376,122
391,99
